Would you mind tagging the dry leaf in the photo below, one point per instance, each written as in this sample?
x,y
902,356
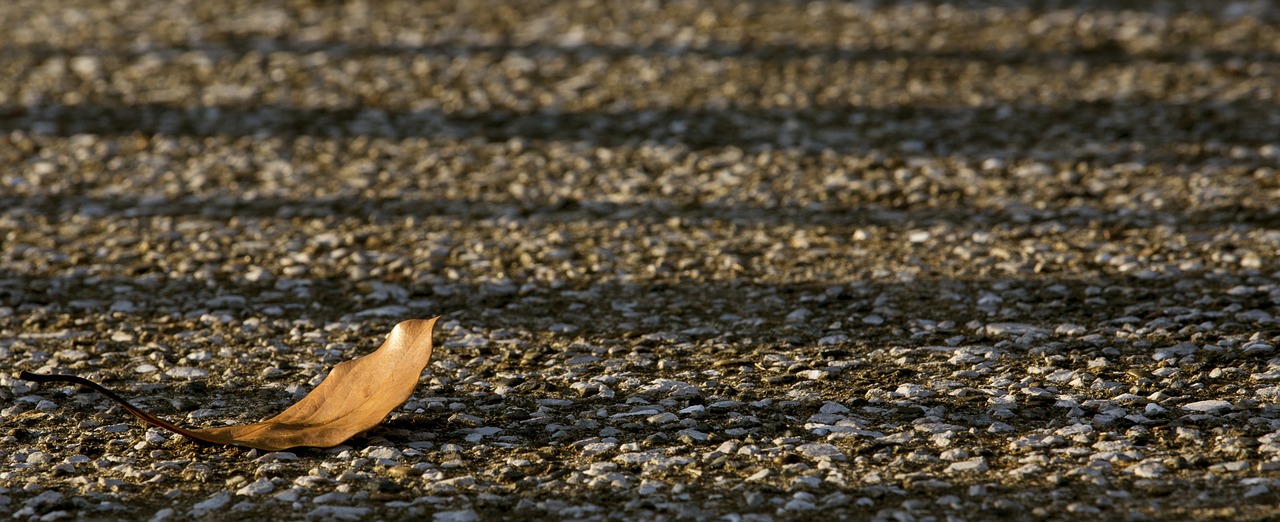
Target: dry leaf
x,y
354,397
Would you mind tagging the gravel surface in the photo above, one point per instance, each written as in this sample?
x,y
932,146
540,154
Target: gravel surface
x,y
697,260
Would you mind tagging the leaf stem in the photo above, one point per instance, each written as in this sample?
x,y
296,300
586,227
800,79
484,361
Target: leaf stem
x,y
137,412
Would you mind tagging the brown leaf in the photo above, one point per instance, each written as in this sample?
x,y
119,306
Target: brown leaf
x,y
354,397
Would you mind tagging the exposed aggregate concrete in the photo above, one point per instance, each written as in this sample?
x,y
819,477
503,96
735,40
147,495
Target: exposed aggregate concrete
x,y
697,260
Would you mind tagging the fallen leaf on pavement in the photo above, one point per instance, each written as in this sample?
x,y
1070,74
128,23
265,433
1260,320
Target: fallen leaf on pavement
x,y
354,397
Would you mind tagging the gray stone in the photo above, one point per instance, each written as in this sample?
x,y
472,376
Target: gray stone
x,y
820,451
967,466
1014,329
213,503
464,515
338,513
1207,406
258,487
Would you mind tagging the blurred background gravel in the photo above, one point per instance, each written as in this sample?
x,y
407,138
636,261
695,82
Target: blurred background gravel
x,y
697,260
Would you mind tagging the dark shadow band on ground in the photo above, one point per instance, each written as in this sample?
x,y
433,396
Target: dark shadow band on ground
x,y
422,206
1117,128
693,310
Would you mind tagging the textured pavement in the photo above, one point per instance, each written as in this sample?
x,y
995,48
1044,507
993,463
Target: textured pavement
x,y
695,260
